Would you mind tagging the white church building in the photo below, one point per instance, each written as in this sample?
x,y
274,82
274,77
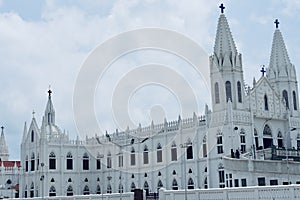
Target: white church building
x,y
250,137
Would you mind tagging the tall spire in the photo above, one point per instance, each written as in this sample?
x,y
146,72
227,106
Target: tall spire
x,y
224,44
3,148
280,65
49,112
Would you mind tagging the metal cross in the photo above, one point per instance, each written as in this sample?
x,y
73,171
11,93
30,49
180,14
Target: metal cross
x,y
277,23
263,71
222,7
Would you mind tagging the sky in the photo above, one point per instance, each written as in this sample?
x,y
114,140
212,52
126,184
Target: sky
x,y
47,42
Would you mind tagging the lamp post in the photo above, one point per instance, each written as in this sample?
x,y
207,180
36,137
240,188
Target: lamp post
x,y
121,153
184,168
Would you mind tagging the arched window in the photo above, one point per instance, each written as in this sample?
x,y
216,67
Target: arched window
x,y
159,153
228,91
86,180
32,190
159,174
52,191
109,160
109,190
146,155
174,172
98,161
132,187
221,176
85,161
294,100
190,184
132,156
69,180
70,190
256,139
69,161
121,189
219,143
217,94
267,137
52,160
98,190
52,180
189,150
86,190
243,140
190,171
32,162
279,139
285,98
25,192
26,163
174,184
32,136
159,184
173,152
239,91
205,183
146,187
204,146
266,102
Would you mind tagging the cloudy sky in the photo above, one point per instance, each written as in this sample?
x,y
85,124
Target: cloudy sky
x,y
46,42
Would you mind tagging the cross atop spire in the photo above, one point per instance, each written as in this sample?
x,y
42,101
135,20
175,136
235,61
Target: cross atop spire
x,y
277,23
49,91
263,71
33,112
2,128
222,7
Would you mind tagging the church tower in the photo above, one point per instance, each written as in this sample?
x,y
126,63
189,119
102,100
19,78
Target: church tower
x,y
282,74
226,73
4,155
49,112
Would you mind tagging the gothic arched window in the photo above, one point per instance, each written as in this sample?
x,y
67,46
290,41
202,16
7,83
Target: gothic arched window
x,y
294,100
146,155
174,184
159,153
217,94
239,91
69,161
159,184
52,161
132,187
70,190
173,152
86,190
32,162
266,102
132,157
52,191
85,161
228,91
190,183
189,150
286,98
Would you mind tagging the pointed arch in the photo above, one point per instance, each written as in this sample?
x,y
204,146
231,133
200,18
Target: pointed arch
x,y
108,189
285,98
279,139
86,190
189,149
159,184
174,184
70,190
191,184
159,153
85,161
205,183
52,160
132,187
266,104
108,160
32,136
132,156
52,191
121,189
98,189
228,91
32,162
295,100
146,155
32,190
239,91
217,93
146,187
173,151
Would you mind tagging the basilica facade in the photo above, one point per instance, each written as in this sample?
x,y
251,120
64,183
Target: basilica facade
x,y
250,136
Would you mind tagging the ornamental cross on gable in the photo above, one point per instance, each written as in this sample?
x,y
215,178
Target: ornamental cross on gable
x,y
222,7
263,71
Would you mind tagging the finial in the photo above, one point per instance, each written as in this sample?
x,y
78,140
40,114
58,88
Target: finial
x,y
263,71
2,127
33,112
277,23
49,91
222,7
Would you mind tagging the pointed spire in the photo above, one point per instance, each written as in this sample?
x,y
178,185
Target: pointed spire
x,y
280,64
24,131
3,147
49,111
224,44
